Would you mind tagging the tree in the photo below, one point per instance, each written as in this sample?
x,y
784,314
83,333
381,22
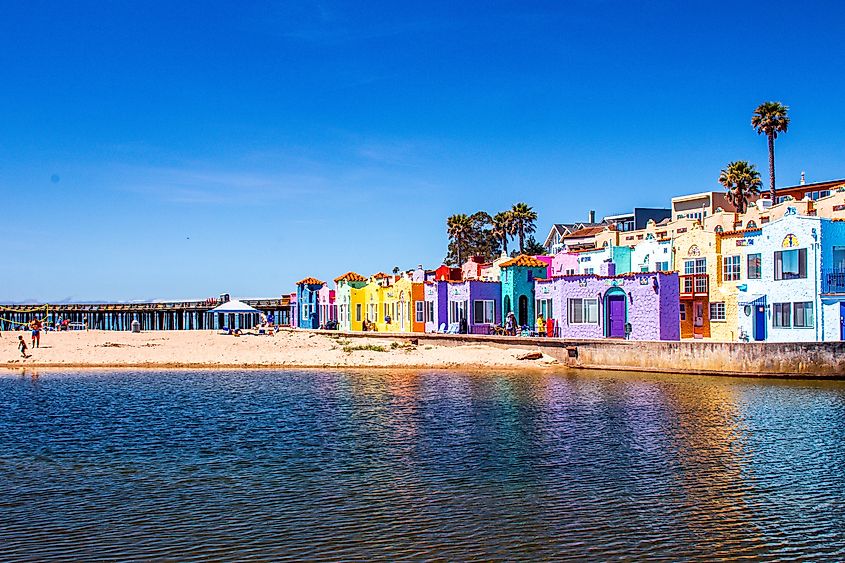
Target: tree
x,y
502,228
742,180
532,247
770,118
523,218
458,228
477,240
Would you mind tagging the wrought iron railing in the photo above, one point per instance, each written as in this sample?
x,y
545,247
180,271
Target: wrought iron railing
x,y
833,280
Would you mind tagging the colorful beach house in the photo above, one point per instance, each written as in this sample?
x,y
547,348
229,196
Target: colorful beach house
x,y
695,257
349,300
590,261
436,306
294,311
307,297
326,306
474,306
518,276
637,306
403,302
793,289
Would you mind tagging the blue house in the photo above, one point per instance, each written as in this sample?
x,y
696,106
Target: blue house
x,y
307,301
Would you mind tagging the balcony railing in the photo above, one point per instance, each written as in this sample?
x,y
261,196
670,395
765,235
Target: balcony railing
x,y
833,280
694,285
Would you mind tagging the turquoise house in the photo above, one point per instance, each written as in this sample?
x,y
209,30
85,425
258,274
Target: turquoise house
x,y
518,275
307,300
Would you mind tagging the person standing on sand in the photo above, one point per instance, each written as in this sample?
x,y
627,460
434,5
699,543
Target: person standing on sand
x,y
510,324
35,325
22,346
541,325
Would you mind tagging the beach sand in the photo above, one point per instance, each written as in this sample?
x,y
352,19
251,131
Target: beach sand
x,y
288,348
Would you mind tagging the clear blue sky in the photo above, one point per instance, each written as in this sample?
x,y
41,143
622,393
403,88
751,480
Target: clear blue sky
x,y
177,149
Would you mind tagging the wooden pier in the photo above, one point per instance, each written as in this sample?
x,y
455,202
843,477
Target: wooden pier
x,y
164,315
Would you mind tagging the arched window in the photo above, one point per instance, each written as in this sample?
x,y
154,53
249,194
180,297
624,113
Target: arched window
x,y
751,225
719,229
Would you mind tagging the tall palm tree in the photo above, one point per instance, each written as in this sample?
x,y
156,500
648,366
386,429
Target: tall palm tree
x,y
770,119
523,218
742,180
503,228
459,227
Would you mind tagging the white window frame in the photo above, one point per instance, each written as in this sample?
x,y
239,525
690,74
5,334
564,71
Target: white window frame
x,y
419,311
731,268
717,311
584,307
488,314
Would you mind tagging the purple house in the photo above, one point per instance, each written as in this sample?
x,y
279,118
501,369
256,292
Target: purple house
x,y
479,303
436,305
638,306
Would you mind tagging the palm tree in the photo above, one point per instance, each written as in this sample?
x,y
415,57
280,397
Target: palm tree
x,y
459,227
742,180
770,118
503,228
523,218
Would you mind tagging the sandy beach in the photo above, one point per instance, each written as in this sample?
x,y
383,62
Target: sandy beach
x,y
288,348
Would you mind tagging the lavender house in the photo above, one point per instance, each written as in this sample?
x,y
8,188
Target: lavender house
x,y
436,305
479,303
639,306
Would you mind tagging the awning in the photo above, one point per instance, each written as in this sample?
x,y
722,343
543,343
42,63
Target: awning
x,y
753,299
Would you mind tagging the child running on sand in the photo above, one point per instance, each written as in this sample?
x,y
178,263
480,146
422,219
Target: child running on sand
x,y
22,347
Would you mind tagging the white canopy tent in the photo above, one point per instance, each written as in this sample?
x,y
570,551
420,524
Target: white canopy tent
x,y
236,309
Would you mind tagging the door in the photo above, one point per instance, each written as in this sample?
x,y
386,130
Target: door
x,y
616,316
759,322
698,318
842,321
523,310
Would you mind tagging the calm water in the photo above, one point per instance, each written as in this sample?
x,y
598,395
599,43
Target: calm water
x,y
376,465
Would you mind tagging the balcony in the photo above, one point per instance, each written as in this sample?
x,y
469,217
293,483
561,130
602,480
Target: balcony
x,y
694,285
833,280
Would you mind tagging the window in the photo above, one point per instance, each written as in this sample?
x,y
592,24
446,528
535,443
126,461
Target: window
x,y
695,266
751,225
583,311
358,312
754,269
791,264
730,268
420,311
644,268
719,229
781,317
661,266
457,311
429,311
589,270
483,312
530,276
802,314
683,311
717,311
570,272
544,307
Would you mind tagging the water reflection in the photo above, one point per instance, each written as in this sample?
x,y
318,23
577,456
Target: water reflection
x,y
390,465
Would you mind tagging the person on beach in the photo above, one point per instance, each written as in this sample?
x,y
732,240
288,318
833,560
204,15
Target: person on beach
x,y
35,326
541,325
22,346
510,324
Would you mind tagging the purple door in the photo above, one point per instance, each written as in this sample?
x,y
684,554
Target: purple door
x,y
616,316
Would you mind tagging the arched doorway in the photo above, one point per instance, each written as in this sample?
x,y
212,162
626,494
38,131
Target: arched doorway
x,y
523,310
401,311
616,313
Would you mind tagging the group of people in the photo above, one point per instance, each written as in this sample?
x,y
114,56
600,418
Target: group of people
x,y
512,326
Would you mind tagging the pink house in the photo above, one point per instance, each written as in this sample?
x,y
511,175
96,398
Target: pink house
x,y
564,264
325,301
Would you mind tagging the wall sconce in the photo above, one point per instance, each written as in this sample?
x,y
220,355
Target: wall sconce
x,y
655,284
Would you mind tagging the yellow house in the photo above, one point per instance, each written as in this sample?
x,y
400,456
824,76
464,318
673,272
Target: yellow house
x,y
398,306
374,311
694,251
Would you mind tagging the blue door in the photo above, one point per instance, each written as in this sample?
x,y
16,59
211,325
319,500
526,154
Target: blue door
x,y
759,322
842,321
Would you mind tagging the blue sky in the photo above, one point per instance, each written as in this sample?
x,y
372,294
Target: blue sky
x,y
160,149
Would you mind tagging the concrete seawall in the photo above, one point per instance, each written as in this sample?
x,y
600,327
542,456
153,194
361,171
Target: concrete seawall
x,y
805,360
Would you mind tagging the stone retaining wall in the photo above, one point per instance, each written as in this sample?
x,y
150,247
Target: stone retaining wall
x,y
798,359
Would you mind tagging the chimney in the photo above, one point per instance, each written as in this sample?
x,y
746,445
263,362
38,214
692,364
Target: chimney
x,y
803,181
592,216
